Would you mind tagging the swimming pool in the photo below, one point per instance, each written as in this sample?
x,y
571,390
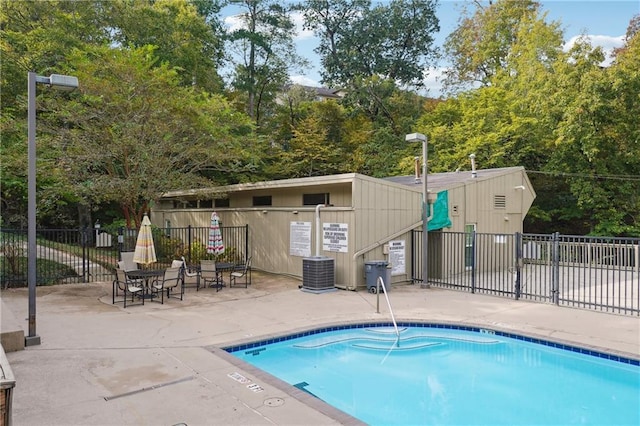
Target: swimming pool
x,y
442,374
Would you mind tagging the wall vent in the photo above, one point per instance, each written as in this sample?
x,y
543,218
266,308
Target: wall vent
x,y
500,201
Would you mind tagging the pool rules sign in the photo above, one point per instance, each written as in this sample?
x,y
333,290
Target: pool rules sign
x,y
335,237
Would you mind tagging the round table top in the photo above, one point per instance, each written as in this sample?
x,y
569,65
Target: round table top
x,y
143,273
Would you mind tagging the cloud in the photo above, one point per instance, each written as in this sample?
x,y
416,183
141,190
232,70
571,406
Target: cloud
x,y
301,33
234,23
607,43
304,80
433,81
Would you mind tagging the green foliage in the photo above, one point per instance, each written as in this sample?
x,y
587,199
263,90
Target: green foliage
x,y
266,54
181,36
392,39
134,133
48,272
552,112
12,251
483,43
597,144
151,115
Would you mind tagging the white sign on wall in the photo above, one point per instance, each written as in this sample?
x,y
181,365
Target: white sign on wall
x,y
300,239
335,237
397,257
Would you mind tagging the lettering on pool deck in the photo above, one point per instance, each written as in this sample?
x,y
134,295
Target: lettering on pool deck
x,y
245,381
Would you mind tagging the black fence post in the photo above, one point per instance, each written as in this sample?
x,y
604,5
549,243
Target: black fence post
x,y
246,243
85,256
189,242
473,260
555,268
518,238
120,241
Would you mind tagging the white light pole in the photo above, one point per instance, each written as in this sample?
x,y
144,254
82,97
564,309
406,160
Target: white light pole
x,y
419,137
63,82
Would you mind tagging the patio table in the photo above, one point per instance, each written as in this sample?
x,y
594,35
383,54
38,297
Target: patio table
x,y
146,275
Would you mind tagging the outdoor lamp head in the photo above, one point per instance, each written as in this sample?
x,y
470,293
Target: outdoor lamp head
x,y
63,82
415,137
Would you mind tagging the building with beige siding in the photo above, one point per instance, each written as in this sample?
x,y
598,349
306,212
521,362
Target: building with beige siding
x,y
361,219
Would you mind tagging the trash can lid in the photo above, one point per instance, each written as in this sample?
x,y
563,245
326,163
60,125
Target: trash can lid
x,y
377,262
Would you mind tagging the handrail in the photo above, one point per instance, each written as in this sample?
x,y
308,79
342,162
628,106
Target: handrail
x,y
393,318
376,244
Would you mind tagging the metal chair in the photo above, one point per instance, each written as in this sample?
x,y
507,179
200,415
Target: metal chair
x,y
187,272
245,273
127,286
127,261
209,274
172,279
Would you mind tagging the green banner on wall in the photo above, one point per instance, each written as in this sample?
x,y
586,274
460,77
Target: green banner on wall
x,y
440,211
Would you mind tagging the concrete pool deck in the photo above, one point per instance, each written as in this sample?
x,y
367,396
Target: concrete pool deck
x,y
100,364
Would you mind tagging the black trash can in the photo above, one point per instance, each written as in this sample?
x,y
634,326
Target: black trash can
x,y
375,269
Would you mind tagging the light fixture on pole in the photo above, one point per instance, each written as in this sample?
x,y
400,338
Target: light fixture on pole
x,y
64,82
419,137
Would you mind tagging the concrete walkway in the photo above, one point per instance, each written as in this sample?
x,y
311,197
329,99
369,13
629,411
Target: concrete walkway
x,y
99,364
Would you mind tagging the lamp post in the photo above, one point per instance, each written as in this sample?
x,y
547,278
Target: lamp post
x,y
419,137
63,82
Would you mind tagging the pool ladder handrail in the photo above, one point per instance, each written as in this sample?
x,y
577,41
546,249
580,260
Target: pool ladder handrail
x,y
379,282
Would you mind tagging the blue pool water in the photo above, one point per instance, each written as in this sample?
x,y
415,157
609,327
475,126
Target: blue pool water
x,y
453,376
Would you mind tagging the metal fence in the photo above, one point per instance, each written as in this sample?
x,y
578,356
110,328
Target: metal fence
x,y
90,255
598,273
586,272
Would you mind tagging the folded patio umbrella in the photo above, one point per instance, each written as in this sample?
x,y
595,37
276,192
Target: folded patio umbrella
x,y
145,252
215,244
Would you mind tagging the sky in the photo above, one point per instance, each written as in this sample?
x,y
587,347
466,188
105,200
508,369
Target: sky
x,y
603,21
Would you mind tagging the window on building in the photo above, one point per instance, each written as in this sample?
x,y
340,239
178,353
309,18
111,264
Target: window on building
x,y
499,201
221,202
262,200
315,199
206,204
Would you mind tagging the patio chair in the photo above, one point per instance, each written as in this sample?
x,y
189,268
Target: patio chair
x,y
209,275
187,271
170,281
179,264
127,286
122,265
128,263
245,273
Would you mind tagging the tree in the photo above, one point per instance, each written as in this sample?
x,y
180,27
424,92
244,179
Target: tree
x,y
135,133
393,41
265,53
317,146
482,44
191,42
598,140
35,37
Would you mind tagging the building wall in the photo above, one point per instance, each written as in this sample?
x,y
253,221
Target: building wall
x,y
476,203
375,212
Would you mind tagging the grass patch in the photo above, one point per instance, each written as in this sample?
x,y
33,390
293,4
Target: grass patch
x,y
48,272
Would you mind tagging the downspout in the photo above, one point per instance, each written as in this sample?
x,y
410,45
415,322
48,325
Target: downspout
x,y
318,230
